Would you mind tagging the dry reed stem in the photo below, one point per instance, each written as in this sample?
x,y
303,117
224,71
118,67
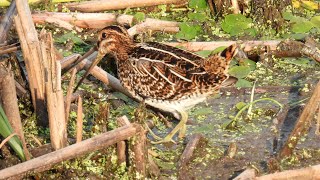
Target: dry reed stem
x,y
104,5
46,161
79,120
69,93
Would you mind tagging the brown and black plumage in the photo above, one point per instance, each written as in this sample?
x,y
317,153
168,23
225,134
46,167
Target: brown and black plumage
x,y
165,77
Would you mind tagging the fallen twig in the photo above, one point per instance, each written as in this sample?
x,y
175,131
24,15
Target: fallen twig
x,y
140,154
6,21
303,123
121,146
47,161
101,20
188,153
104,5
7,139
248,174
312,172
62,24
79,120
102,75
69,93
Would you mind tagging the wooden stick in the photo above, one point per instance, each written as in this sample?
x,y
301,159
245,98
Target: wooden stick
x,y
188,151
303,123
62,24
312,172
104,5
249,45
67,61
9,50
69,93
32,56
121,146
102,75
121,152
317,132
47,161
55,101
101,20
6,21
79,120
8,98
248,174
139,150
235,6
7,139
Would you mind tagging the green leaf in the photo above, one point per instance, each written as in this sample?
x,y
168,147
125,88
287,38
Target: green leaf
x,y
287,15
251,32
248,63
302,27
236,24
243,83
197,16
70,36
239,71
240,105
315,21
188,31
298,61
298,36
198,4
139,17
6,130
219,49
202,111
204,53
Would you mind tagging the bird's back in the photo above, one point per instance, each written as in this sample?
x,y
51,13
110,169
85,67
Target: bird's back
x,y
160,72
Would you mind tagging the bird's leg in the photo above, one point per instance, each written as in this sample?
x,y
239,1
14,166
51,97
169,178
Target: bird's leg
x,y
181,126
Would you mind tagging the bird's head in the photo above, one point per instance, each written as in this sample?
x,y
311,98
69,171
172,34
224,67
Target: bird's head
x,y
114,40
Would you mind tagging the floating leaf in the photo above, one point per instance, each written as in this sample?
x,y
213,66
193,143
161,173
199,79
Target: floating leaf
x,y
138,18
302,27
235,24
198,4
197,16
315,21
70,36
218,49
298,36
240,105
298,61
204,53
239,71
249,63
243,83
202,111
287,15
188,31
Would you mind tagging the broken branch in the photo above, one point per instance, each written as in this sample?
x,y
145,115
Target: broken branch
x,y
47,161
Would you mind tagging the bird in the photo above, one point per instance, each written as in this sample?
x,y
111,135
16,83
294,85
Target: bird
x,y
167,78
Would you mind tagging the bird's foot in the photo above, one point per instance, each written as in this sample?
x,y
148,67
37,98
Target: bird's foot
x,y
181,127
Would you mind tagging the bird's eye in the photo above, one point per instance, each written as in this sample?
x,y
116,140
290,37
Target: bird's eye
x,y
104,35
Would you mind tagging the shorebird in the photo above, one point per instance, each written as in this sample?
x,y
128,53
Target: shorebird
x,y
165,77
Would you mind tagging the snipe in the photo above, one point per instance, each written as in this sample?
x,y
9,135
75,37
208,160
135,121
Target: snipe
x,y
165,77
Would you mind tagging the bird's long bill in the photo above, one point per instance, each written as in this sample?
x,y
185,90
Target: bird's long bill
x,y
94,63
